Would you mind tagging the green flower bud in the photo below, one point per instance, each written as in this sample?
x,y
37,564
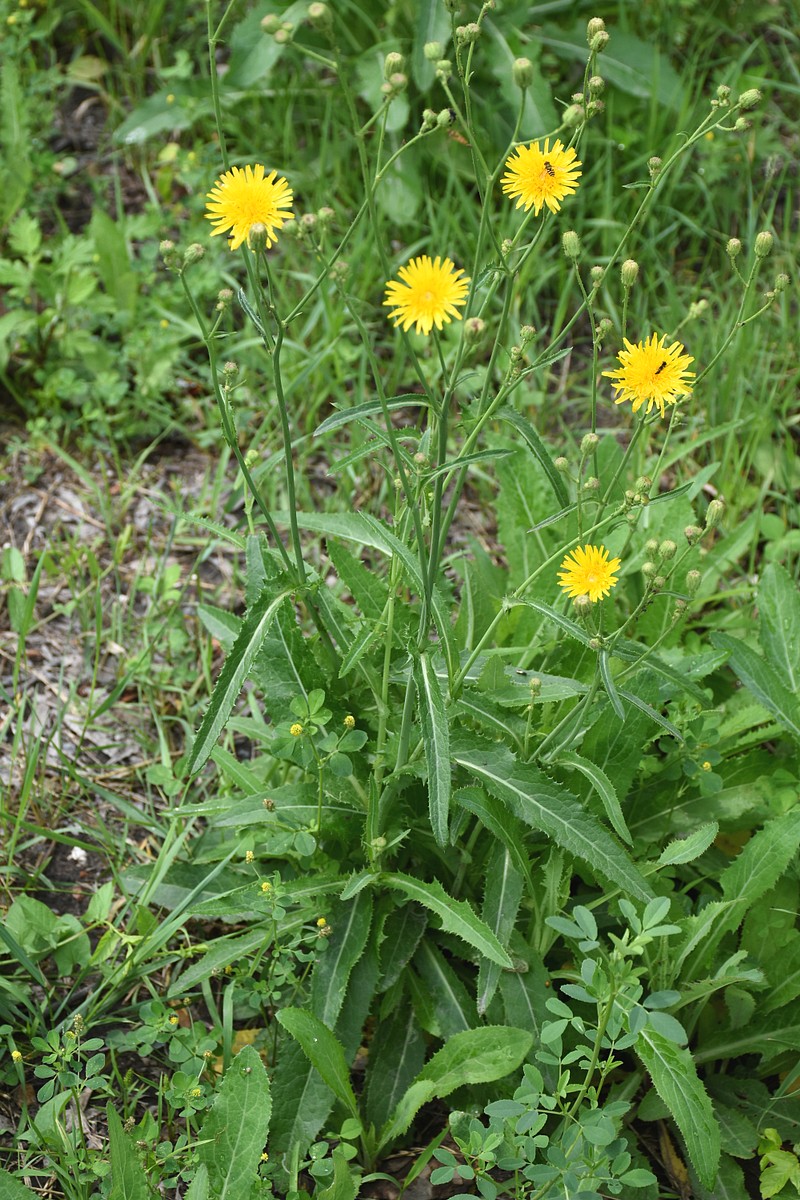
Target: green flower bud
x,y
692,581
591,484
582,606
271,23
428,119
467,34
444,69
733,248
599,42
692,533
170,255
651,546
629,272
597,274
535,684
643,483
445,118
654,165
283,36
596,85
763,244
573,116
526,334
258,237
230,370
714,513
741,125
781,283
572,245
589,443
561,464
320,16
649,569
224,299
596,25
750,98
723,93
473,330
522,72
325,215
667,550
392,64
659,581
193,254
433,51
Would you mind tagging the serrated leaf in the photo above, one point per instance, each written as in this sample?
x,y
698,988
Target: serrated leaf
x,y
233,674
477,1056
234,1132
302,1099
779,614
501,823
686,850
501,901
674,1077
763,681
128,1180
403,931
456,916
323,1051
538,801
436,743
12,1188
602,785
453,1010
350,922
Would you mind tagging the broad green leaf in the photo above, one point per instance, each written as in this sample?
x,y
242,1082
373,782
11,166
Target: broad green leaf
x,y
763,681
432,25
403,931
234,1132
502,896
198,1188
12,1188
456,916
477,1056
674,1077
602,785
436,742
525,992
113,261
492,721
367,589
633,65
536,799
686,850
323,1051
361,989
301,1097
128,1180
350,922
762,861
538,448
233,674
769,1035
729,1184
779,614
420,1092
453,1009
396,1055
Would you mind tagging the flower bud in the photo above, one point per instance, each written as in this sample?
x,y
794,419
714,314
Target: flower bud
x,y
444,69
283,35
741,125
445,118
224,299
659,581
522,72
733,248
692,581
393,63
643,483
696,308
428,120
573,116
763,244
594,107
649,569
597,274
654,165
258,237
723,93
714,513
667,550
572,245
170,255
308,222
193,254
473,330
591,484
589,443
340,270
596,643
582,606
398,82
596,85
561,464
692,533
596,25
349,721
467,34
325,215
433,51
629,272
230,370
320,16
599,42
781,283
526,334
603,329
271,23
535,685
750,98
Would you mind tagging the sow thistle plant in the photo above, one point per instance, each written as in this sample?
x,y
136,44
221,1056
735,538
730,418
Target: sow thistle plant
x,y
497,705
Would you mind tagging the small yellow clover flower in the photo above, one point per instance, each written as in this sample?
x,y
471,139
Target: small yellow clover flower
x,y
588,571
241,199
429,292
651,371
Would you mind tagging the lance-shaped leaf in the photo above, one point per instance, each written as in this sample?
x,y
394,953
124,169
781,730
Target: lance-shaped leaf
x,y
456,916
436,741
539,801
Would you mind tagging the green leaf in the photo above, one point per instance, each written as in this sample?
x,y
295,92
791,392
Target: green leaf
x,y
436,741
233,674
763,860
456,916
350,922
779,614
686,850
477,1056
433,25
403,931
674,1077
302,1099
128,1180
234,1132
114,261
323,1051
370,409
453,1010
12,1188
633,65
198,1188
536,799
602,785
501,823
762,680
537,447
396,1055
502,896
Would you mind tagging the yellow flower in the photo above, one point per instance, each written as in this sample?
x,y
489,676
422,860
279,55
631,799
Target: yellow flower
x,y
651,371
16,1056
322,921
541,176
430,293
243,198
588,571
349,721
296,730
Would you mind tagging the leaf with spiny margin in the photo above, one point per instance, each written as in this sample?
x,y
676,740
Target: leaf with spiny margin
x,y
501,901
436,743
456,916
233,674
403,930
12,1188
234,1132
324,1052
675,1078
763,681
602,785
350,922
686,850
500,822
367,589
779,615
540,802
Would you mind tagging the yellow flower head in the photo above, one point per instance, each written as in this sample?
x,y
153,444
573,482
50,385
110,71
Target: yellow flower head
x,y
537,176
296,730
588,571
651,371
430,293
243,198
